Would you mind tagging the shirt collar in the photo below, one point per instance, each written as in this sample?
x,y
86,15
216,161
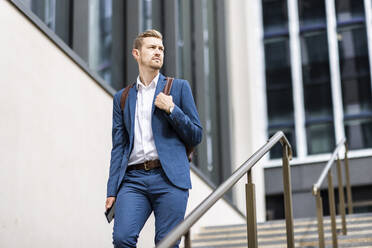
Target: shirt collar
x,y
153,83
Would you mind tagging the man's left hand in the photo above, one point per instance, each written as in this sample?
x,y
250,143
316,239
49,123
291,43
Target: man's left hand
x,y
164,102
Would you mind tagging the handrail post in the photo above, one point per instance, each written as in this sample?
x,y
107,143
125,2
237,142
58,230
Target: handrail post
x,y
341,196
332,209
251,212
288,197
319,208
187,240
348,187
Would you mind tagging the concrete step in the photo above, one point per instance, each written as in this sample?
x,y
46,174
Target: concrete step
x,y
273,233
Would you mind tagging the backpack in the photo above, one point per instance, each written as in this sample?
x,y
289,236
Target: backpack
x,y
167,89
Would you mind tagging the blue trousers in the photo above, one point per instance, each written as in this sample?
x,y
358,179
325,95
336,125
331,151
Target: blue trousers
x,y
141,193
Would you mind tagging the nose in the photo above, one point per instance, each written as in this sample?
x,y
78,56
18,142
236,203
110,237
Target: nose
x,y
158,51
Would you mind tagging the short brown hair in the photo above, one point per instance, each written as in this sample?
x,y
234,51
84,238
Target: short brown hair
x,y
137,44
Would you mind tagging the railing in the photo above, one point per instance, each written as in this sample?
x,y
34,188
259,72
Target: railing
x,y
184,227
316,192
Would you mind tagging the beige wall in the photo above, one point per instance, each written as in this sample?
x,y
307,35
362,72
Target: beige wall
x,y
247,93
55,127
54,144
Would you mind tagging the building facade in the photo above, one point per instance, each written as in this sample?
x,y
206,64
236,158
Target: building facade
x,y
318,90
255,67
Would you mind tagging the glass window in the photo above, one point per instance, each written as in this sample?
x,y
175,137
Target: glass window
x,y
278,81
317,92
356,85
278,72
211,102
320,137
355,73
289,132
105,39
180,36
46,11
354,68
94,45
279,90
146,14
349,10
275,16
55,14
311,13
359,132
316,77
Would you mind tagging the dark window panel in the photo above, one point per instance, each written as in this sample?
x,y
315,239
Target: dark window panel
x,y
318,101
289,132
275,15
105,40
278,64
63,27
348,10
93,43
280,106
278,81
278,72
359,133
356,95
311,12
203,65
316,75
146,14
320,138
356,85
354,67
57,15
275,207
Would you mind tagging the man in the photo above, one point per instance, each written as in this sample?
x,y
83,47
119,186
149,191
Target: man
x,y
149,168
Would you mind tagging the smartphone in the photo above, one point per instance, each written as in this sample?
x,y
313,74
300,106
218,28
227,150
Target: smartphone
x,y
110,213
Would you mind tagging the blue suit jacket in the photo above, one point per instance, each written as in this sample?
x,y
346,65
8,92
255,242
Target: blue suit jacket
x,y
171,133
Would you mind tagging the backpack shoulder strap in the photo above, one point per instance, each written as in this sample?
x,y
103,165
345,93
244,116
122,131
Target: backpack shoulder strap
x,y
124,96
167,89
168,86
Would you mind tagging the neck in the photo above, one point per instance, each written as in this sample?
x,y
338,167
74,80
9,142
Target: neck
x,y
146,76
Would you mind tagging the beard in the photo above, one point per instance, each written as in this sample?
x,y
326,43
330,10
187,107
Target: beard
x,y
156,66
152,64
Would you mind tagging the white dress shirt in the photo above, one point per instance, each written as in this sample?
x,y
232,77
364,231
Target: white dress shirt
x,y
144,146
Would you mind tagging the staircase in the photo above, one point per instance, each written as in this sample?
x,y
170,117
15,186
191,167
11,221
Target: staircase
x,y
273,234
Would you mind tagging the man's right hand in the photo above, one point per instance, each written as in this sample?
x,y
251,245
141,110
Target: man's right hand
x,y
109,201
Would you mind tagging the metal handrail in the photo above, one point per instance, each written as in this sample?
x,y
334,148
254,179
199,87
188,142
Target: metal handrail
x,y
328,166
319,204
184,227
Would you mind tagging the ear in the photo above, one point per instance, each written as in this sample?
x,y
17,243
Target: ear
x,y
135,53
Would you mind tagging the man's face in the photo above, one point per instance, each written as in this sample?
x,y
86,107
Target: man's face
x,y
151,54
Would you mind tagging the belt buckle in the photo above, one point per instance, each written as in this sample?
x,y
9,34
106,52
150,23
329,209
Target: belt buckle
x,y
146,163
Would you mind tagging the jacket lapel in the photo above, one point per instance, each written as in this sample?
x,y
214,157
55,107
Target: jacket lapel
x,y
132,99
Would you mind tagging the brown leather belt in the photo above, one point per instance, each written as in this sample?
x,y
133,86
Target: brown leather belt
x,y
148,165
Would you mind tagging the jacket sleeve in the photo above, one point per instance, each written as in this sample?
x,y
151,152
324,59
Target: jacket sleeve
x,y
118,141
185,119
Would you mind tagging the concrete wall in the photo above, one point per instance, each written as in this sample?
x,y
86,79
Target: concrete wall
x,y
55,129
247,93
304,176
55,143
